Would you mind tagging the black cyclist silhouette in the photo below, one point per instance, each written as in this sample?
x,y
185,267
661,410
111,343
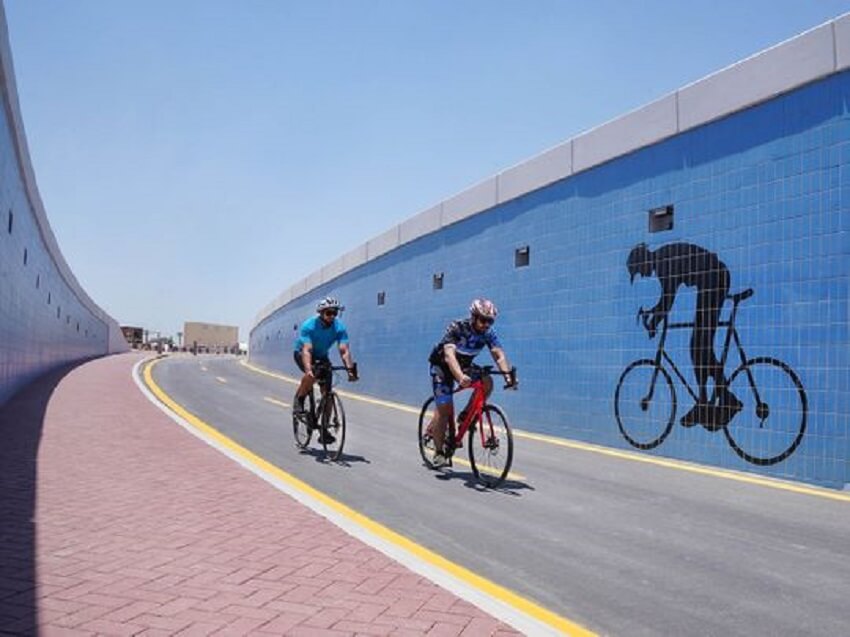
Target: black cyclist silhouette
x,y
678,264
767,393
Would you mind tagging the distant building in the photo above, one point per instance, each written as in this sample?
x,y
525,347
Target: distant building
x,y
208,337
135,336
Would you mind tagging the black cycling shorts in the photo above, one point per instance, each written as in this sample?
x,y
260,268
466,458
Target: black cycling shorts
x,y
298,360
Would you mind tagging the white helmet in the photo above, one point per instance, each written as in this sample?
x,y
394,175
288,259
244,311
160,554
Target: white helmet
x,y
484,308
328,303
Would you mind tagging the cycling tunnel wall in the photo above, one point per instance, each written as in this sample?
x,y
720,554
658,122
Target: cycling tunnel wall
x,y
765,190
46,318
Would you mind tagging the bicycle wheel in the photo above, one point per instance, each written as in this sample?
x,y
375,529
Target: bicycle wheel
x,y
771,424
645,409
332,434
301,424
491,447
426,441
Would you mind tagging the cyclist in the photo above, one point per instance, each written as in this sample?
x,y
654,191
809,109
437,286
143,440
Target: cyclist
x,y
451,360
315,338
677,264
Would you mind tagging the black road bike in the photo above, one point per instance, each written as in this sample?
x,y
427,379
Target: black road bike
x,y
768,428
324,415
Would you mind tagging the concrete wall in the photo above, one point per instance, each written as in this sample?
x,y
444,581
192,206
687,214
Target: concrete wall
x,y
754,160
46,318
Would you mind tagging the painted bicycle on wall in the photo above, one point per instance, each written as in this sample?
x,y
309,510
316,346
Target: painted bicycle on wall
x,y
766,430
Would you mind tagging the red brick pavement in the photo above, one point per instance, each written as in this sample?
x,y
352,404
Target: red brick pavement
x,y
115,521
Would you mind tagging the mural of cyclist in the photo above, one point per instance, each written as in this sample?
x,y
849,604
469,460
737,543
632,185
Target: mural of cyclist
x,y
678,264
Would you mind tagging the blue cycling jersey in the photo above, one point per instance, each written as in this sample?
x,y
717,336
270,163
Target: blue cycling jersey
x,y
320,336
467,341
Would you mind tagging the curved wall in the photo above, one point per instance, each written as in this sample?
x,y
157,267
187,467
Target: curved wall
x,y
46,318
762,184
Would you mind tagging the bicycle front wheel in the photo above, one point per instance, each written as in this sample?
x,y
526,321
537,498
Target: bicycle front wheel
x,y
426,441
772,421
332,435
301,423
491,447
645,404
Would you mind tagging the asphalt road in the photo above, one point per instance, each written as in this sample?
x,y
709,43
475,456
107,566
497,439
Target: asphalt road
x,y
622,547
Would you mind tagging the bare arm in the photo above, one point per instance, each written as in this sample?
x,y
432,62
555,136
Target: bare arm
x,y
500,359
450,356
345,354
307,358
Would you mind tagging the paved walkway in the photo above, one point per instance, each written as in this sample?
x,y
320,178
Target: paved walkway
x,y
116,521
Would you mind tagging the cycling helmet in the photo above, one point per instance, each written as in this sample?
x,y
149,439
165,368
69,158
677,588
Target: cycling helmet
x,y
483,308
328,303
639,261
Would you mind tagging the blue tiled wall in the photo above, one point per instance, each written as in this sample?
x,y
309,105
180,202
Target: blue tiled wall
x,y
42,322
766,189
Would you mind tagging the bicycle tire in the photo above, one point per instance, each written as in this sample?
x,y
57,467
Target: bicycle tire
x,y
481,468
333,423
426,446
652,440
795,433
301,429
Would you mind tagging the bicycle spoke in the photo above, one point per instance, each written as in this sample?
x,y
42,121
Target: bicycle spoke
x,y
491,447
645,404
772,420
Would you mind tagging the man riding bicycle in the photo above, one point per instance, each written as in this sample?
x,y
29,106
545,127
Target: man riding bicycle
x,y
316,336
451,360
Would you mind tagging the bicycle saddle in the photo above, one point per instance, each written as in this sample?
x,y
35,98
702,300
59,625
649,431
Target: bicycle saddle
x,y
741,296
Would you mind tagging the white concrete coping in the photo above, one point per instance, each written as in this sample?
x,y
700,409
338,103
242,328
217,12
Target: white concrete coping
x,y
809,56
116,340
425,222
382,244
480,197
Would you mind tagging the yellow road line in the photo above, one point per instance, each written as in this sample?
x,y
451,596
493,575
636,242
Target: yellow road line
x,y
220,379
484,585
493,472
727,474
276,402
772,483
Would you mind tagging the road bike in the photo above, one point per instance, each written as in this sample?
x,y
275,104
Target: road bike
x,y
768,428
325,415
492,451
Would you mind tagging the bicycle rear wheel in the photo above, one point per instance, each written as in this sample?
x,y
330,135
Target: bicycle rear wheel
x,y
301,423
772,421
426,441
491,447
332,433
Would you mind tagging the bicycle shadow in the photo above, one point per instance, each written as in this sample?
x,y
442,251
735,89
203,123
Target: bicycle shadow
x,y
345,460
510,486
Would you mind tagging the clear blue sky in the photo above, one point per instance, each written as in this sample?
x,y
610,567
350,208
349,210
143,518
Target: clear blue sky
x,y
197,157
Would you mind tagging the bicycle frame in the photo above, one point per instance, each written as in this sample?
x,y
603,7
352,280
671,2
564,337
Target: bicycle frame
x,y
731,335
476,410
324,378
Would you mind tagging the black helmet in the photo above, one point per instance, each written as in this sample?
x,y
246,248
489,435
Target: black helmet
x,y
639,261
328,303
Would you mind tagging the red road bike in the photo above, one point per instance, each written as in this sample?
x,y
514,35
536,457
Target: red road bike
x,y
491,451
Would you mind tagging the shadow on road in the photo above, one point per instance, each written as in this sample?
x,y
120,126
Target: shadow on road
x,y
21,423
508,487
345,460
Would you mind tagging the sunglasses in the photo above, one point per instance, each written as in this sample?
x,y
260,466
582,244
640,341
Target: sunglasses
x,y
330,313
483,320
